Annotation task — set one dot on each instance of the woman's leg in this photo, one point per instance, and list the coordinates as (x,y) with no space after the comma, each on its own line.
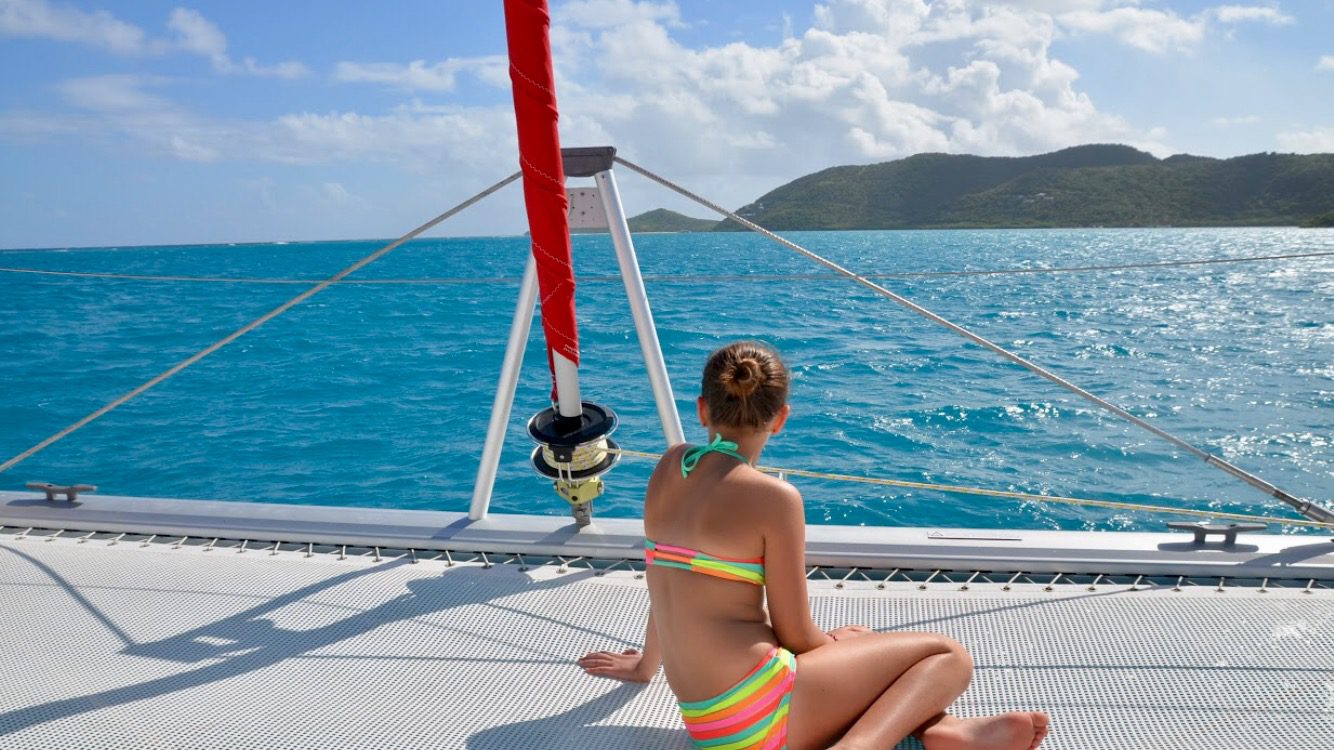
(874,690)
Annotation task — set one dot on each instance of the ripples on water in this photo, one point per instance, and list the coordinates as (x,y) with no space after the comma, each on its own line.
(377,395)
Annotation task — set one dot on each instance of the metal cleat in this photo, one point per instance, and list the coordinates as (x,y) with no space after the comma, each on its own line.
(1229,531)
(71,492)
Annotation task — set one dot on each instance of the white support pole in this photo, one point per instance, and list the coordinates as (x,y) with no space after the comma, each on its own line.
(639,308)
(509,381)
(569,403)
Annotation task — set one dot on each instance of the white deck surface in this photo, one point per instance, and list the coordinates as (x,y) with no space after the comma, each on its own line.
(123,646)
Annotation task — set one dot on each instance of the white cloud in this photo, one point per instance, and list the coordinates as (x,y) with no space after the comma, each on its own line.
(1150,30)
(418,76)
(1326,62)
(1314,141)
(1157,31)
(1244,13)
(193,34)
(1224,122)
(200,36)
(38,19)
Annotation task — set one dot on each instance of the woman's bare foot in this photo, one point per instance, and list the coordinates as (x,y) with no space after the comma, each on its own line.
(1018,730)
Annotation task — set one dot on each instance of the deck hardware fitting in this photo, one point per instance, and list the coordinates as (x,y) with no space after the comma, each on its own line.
(887,578)
(1135,586)
(24,535)
(71,492)
(87,536)
(413,554)
(1051,584)
(52,538)
(1264,586)
(448,558)
(209,547)
(486,561)
(148,541)
(116,540)
(1221,583)
(1177,587)
(274,551)
(971,578)
(523,564)
(1010,583)
(244,543)
(1309,585)
(922,586)
(342,552)
(844,579)
(377,553)
(1094,586)
(310,549)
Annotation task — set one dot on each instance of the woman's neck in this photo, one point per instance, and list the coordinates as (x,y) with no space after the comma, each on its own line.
(750,443)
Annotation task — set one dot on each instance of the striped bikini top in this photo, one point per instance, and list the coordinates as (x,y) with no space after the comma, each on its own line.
(729,568)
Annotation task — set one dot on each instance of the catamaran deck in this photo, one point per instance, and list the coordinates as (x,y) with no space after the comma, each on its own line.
(118,639)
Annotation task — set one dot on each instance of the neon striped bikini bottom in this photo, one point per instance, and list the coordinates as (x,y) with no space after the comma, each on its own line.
(750,715)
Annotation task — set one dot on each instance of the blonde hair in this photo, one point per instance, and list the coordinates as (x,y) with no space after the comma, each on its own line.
(745,385)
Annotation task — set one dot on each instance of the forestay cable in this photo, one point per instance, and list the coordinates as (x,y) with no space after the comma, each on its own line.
(1305,507)
(270,315)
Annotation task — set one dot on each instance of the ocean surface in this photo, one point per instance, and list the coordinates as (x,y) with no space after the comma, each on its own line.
(378,394)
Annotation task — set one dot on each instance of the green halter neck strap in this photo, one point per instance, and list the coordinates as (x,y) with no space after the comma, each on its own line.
(717,445)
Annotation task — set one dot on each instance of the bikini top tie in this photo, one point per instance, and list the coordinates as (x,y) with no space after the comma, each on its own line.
(718,445)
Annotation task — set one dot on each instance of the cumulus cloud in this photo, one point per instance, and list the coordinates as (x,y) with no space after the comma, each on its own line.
(419,76)
(39,19)
(1244,13)
(1326,62)
(1160,31)
(869,80)
(1314,141)
(198,35)
(1224,122)
(191,33)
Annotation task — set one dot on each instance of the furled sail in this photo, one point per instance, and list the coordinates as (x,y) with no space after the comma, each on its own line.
(527,23)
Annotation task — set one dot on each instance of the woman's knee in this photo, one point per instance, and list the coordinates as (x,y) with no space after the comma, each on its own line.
(955,651)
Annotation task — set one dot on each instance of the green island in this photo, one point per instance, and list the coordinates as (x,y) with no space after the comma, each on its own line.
(1084,186)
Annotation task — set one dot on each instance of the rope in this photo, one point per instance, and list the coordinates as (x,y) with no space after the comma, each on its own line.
(275,312)
(964,490)
(672,277)
(1305,507)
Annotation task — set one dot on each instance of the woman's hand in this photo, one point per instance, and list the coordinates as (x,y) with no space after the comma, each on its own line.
(849,631)
(627,665)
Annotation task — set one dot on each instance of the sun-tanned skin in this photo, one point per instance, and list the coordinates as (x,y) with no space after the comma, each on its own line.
(855,688)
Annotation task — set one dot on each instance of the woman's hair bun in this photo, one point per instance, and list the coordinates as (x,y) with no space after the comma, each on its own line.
(744,385)
(743,377)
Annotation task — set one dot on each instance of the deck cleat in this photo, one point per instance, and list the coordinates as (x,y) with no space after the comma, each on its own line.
(574,453)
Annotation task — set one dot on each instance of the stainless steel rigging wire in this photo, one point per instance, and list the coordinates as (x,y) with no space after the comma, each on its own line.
(1307,508)
(247,328)
(668,278)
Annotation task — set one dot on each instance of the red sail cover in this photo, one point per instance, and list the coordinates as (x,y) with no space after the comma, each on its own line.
(527,23)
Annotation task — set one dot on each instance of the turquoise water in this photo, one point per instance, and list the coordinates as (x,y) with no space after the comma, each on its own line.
(377,395)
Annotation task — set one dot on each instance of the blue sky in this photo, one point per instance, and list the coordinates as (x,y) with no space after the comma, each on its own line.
(159,122)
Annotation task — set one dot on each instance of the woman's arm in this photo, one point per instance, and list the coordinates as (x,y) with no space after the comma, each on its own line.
(629,665)
(785,573)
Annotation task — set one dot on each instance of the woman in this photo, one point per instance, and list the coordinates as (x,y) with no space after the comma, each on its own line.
(746,677)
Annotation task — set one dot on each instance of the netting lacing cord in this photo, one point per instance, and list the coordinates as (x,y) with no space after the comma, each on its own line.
(1305,507)
(247,328)
(965,490)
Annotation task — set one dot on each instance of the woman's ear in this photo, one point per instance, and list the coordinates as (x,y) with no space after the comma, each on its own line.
(702,409)
(776,426)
